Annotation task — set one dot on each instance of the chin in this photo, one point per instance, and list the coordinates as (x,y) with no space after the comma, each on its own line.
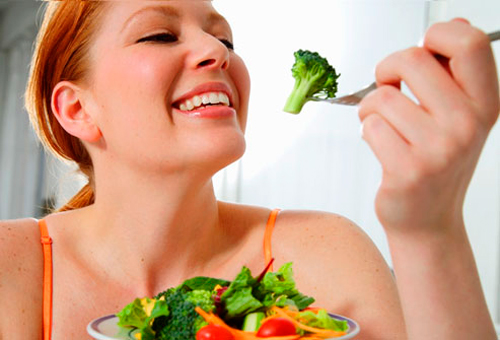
(224,153)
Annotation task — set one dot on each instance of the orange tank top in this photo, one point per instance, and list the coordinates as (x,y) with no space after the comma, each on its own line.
(47,267)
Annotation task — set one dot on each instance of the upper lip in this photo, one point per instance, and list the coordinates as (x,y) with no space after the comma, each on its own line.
(206,88)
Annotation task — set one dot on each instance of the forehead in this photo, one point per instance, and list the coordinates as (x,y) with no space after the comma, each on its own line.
(122,13)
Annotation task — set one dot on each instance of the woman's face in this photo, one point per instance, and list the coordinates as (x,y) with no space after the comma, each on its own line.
(166,88)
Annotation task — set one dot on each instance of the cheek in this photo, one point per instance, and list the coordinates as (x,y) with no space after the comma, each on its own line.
(130,92)
(239,74)
(133,85)
(134,76)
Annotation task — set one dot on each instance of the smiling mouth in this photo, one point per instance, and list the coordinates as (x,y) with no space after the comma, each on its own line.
(202,101)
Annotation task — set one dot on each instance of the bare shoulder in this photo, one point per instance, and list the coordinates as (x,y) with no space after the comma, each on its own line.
(20,243)
(336,262)
(243,219)
(319,240)
(20,278)
(298,231)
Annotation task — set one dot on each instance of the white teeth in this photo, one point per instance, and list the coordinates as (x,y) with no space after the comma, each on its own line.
(223,99)
(204,99)
(214,98)
(196,101)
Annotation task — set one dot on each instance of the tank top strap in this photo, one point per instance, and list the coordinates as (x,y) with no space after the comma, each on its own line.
(271,221)
(47,279)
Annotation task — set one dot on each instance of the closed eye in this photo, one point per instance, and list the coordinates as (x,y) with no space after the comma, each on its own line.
(159,38)
(228,44)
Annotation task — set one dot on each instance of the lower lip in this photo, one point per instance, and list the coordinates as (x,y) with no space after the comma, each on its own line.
(211,112)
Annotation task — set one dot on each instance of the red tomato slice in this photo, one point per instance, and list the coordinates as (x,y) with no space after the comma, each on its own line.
(276,327)
(214,332)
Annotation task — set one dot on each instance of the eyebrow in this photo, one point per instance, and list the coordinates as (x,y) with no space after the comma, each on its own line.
(164,10)
(215,17)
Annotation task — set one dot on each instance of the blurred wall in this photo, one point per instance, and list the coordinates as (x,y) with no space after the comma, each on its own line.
(21,159)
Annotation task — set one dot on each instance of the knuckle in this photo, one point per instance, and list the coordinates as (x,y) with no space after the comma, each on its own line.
(415,56)
(368,106)
(370,122)
(467,132)
(414,177)
(466,126)
(434,29)
(474,41)
(446,151)
(376,100)
(386,94)
(381,66)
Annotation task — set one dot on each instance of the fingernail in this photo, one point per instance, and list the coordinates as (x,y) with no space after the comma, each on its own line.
(461,20)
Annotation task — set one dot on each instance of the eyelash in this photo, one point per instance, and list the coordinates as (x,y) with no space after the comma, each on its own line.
(228,44)
(170,38)
(159,38)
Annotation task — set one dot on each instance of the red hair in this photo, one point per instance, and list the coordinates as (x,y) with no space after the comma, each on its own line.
(62,53)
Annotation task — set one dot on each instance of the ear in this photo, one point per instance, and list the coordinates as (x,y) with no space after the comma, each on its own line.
(67,106)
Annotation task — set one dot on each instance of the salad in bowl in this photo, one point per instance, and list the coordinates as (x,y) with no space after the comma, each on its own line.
(268,306)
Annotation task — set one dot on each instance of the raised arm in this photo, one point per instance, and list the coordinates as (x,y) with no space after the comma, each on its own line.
(428,151)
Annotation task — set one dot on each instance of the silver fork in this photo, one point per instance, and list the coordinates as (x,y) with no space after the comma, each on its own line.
(355,97)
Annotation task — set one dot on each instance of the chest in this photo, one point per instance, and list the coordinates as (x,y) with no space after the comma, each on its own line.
(80,295)
(79,299)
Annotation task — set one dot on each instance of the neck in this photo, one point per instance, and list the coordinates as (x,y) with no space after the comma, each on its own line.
(161,230)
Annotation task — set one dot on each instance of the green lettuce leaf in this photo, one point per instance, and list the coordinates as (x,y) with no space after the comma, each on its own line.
(321,319)
(141,313)
(241,303)
(278,288)
(132,315)
(203,283)
(238,298)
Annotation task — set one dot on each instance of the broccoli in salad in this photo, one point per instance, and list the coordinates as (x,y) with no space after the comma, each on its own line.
(314,78)
(247,308)
(183,322)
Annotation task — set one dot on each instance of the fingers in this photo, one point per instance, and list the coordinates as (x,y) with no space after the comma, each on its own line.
(428,80)
(408,120)
(471,61)
(454,98)
(459,91)
(428,149)
(388,146)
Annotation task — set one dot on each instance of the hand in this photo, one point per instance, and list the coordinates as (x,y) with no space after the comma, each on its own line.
(428,150)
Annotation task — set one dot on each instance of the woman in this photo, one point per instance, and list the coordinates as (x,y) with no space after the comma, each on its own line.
(122,89)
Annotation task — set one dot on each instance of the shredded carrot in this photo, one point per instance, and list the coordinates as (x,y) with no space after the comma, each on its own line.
(239,334)
(315,310)
(316,333)
(323,333)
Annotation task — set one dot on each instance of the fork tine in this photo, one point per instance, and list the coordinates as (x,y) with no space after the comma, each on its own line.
(356,97)
(350,99)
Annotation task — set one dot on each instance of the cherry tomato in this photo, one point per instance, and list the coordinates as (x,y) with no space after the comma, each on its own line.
(276,327)
(214,332)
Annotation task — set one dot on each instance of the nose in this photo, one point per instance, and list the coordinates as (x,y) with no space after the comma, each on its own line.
(208,52)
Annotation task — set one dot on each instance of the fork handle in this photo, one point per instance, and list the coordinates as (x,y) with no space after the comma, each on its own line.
(494,36)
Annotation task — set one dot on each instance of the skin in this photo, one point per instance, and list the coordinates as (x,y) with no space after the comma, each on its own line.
(428,156)
(156,220)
